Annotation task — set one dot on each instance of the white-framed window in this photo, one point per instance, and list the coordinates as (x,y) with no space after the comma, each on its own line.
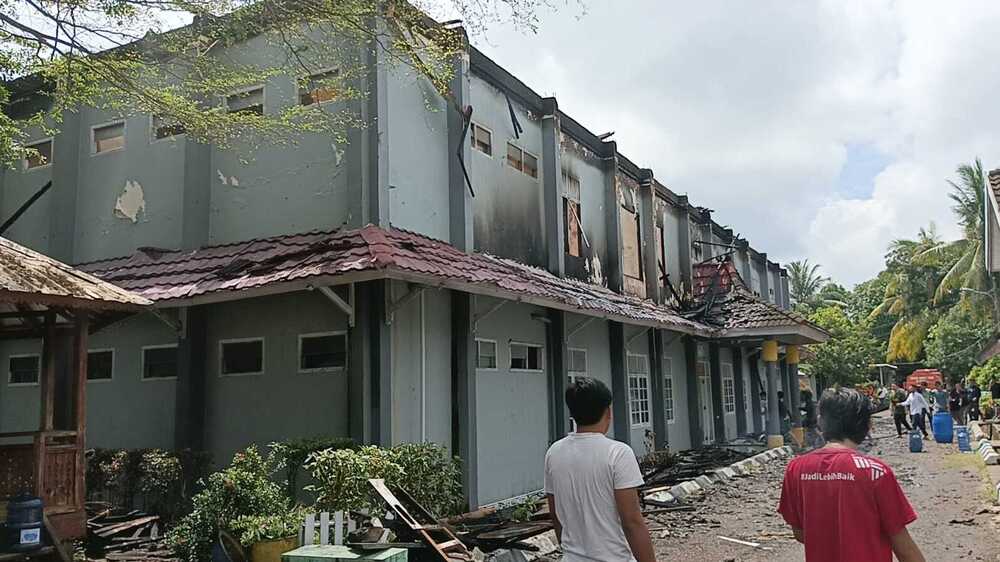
(638,390)
(728,388)
(321,352)
(482,139)
(522,160)
(100,365)
(526,357)
(24,369)
(42,156)
(164,127)
(576,363)
(319,87)
(668,389)
(107,137)
(243,356)
(247,100)
(486,355)
(159,362)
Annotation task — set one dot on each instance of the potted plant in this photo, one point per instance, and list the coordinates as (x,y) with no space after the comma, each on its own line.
(269,536)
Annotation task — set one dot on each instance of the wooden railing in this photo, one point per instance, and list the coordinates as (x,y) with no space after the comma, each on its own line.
(47,464)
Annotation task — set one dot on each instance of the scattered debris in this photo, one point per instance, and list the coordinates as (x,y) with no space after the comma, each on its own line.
(744,543)
(116,534)
(962,522)
(665,469)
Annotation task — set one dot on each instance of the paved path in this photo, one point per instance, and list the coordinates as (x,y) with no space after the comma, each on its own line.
(942,484)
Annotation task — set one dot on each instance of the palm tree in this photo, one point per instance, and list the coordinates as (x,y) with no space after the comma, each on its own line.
(969,269)
(913,267)
(805,280)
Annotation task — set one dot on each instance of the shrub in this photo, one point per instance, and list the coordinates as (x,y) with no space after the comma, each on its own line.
(293,453)
(252,529)
(246,488)
(156,480)
(424,470)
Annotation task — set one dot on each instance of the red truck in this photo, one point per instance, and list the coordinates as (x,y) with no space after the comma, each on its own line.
(921,376)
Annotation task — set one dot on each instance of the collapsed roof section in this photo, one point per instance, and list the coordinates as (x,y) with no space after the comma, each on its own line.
(294,262)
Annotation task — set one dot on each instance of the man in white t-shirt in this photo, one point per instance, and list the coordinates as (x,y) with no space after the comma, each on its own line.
(591,484)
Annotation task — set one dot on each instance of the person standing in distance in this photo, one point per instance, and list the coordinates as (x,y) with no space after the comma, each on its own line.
(591,484)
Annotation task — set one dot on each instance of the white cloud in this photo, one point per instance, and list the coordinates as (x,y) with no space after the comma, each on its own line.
(749,107)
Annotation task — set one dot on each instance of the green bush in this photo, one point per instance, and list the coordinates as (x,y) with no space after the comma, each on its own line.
(426,471)
(985,374)
(159,481)
(252,529)
(293,453)
(246,488)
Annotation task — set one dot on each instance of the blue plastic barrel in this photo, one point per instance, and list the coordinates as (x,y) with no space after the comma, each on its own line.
(916,441)
(942,427)
(24,523)
(962,435)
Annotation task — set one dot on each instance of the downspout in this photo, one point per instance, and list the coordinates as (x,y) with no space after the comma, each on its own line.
(423,372)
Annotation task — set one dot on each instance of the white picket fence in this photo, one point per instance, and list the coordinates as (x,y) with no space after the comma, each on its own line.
(337,527)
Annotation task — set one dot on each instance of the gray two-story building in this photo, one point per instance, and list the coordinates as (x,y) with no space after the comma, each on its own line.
(369,290)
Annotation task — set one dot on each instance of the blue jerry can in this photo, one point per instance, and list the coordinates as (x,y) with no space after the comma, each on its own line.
(962,434)
(916,441)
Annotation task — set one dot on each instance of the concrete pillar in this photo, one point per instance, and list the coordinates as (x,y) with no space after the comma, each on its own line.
(463,393)
(619,382)
(555,233)
(693,404)
(755,386)
(769,353)
(66,154)
(612,218)
(792,359)
(189,403)
(659,416)
(647,224)
(460,219)
(197,192)
(684,241)
(715,375)
(555,333)
(740,388)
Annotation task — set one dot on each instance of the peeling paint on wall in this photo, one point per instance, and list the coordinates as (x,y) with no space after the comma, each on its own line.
(222,177)
(596,271)
(130,202)
(338,154)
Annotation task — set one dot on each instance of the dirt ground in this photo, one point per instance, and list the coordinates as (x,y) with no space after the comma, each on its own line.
(955,518)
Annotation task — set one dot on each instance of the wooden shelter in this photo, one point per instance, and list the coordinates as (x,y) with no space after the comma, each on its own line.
(41,298)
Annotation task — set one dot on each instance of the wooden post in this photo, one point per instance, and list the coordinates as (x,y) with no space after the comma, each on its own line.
(80,397)
(48,373)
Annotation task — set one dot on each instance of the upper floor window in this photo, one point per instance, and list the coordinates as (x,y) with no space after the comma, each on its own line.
(521,160)
(23,369)
(164,127)
(40,156)
(525,357)
(247,101)
(482,139)
(631,252)
(572,225)
(108,137)
(576,365)
(319,87)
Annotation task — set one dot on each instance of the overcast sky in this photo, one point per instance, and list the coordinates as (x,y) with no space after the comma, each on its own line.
(817,130)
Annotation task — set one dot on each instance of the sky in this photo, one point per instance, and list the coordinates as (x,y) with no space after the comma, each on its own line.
(815,129)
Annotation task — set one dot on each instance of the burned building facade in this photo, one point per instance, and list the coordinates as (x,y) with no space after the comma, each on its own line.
(368,290)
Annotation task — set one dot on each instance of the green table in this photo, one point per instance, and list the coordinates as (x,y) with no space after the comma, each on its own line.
(329,553)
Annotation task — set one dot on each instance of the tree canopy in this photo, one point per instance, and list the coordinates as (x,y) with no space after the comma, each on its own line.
(181,59)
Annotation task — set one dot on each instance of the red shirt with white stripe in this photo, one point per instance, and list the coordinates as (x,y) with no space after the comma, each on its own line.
(847,505)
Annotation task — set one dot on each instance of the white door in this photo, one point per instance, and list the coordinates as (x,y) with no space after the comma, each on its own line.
(705,401)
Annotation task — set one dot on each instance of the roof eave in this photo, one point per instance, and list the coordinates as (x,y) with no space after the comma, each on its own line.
(798,334)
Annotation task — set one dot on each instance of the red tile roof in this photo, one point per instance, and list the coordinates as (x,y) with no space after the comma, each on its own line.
(165,275)
(741,310)
(704,273)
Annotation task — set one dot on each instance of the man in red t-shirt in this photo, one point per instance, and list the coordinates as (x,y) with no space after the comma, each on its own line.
(845,506)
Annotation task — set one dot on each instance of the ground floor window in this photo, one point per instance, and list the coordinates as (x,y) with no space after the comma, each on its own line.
(100,364)
(159,362)
(576,363)
(668,389)
(486,354)
(23,369)
(638,390)
(525,357)
(728,389)
(241,357)
(322,352)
